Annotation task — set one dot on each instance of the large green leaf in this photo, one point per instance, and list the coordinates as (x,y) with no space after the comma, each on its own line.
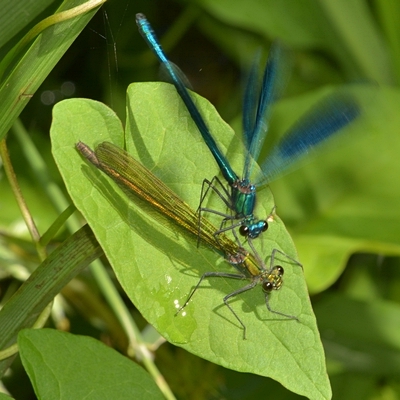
(158,267)
(65,366)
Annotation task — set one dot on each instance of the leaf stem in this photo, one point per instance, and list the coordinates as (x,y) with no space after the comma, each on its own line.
(30,223)
(44,24)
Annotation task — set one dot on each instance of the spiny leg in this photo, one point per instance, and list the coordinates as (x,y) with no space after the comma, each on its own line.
(223,194)
(272,260)
(208,275)
(235,293)
(271,269)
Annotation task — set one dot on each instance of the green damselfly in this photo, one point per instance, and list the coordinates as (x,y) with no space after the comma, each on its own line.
(133,178)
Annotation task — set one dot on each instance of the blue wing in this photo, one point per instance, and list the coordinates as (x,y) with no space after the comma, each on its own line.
(250,101)
(322,122)
(258,98)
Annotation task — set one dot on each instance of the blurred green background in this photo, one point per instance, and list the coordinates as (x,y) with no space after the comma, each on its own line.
(342,209)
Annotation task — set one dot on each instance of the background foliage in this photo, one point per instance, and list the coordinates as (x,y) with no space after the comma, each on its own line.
(341,209)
